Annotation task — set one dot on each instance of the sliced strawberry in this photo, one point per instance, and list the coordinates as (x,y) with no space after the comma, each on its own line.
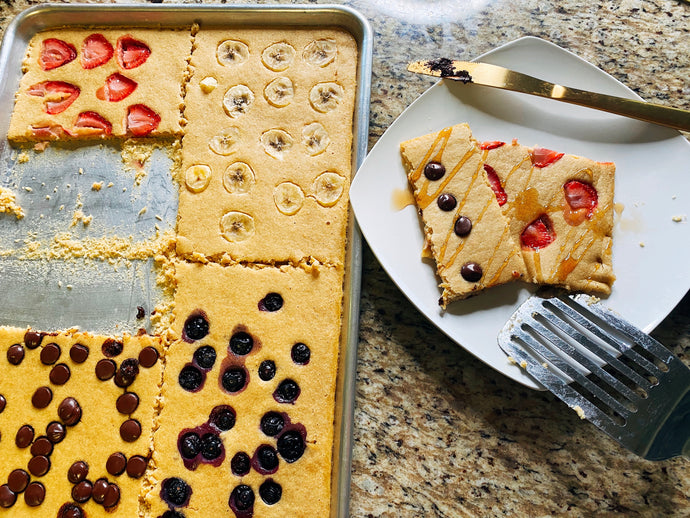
(95,51)
(542,157)
(496,186)
(91,123)
(116,88)
(48,132)
(538,234)
(493,144)
(58,95)
(141,120)
(581,199)
(55,53)
(131,53)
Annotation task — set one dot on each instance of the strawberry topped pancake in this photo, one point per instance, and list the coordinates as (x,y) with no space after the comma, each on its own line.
(101,83)
(494,212)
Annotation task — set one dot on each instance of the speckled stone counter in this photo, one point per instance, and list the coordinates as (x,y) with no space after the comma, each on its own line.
(437,432)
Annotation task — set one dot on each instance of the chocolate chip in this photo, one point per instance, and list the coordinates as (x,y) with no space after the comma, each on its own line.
(42,446)
(82,491)
(24,437)
(42,397)
(148,357)
(271,302)
(127,403)
(105,369)
(130,430)
(111,347)
(446,202)
(55,432)
(112,496)
(77,472)
(79,353)
(116,464)
(69,411)
(99,489)
(3,403)
(434,170)
(15,354)
(39,465)
(7,496)
(18,480)
(270,492)
(50,354)
(60,374)
(32,339)
(35,494)
(463,226)
(127,373)
(70,510)
(267,370)
(471,272)
(300,353)
(136,466)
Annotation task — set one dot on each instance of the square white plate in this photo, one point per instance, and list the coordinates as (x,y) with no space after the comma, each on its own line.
(651,252)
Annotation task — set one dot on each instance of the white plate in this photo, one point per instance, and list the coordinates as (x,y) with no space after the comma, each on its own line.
(651,251)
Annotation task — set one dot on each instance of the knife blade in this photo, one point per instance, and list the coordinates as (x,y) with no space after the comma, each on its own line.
(499,77)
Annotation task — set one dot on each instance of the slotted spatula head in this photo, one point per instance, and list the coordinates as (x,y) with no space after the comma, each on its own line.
(607,370)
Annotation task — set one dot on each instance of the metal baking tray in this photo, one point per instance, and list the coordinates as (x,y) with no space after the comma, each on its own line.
(58,294)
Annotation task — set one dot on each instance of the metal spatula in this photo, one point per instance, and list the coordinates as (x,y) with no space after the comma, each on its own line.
(610,372)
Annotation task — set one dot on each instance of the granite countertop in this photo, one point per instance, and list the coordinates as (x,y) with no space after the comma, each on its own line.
(438,433)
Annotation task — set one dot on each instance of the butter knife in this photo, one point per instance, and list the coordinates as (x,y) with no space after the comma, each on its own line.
(499,77)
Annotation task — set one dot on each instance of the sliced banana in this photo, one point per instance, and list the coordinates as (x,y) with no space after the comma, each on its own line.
(232,52)
(226,142)
(208,84)
(328,188)
(320,53)
(279,92)
(325,97)
(279,56)
(315,138)
(197,177)
(238,178)
(236,226)
(288,197)
(237,100)
(276,142)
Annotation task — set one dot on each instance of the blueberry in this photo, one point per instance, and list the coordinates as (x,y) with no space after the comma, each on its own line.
(240,464)
(267,370)
(196,326)
(172,514)
(234,379)
(205,357)
(190,445)
(241,343)
(211,446)
(287,392)
(242,498)
(267,458)
(271,302)
(291,445)
(223,418)
(270,492)
(176,491)
(272,423)
(190,378)
(300,353)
